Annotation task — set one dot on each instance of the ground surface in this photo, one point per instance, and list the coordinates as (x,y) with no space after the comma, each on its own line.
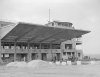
(52,71)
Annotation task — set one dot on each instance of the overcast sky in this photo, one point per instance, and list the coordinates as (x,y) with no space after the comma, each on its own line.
(84,14)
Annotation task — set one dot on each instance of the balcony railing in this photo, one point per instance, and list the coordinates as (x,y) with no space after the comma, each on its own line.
(7,51)
(69,50)
(78,40)
(37,50)
(31,50)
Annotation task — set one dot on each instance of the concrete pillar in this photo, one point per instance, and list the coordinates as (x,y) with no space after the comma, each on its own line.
(73,44)
(51,51)
(29,52)
(39,52)
(62,46)
(71,54)
(76,55)
(15,51)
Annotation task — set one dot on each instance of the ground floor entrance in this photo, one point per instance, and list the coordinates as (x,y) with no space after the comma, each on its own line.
(58,56)
(44,56)
(21,57)
(8,57)
(34,56)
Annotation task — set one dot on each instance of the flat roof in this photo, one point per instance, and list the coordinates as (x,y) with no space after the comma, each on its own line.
(27,32)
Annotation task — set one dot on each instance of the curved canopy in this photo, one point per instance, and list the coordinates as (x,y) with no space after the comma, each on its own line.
(26,32)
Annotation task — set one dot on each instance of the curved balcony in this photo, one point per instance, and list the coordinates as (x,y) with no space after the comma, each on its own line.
(78,41)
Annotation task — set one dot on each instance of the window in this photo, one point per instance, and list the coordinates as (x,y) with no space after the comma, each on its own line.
(68,53)
(52,24)
(55,46)
(78,54)
(12,47)
(45,46)
(68,46)
(36,46)
(64,53)
(6,47)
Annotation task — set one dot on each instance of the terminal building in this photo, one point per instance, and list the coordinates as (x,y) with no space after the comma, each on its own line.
(52,41)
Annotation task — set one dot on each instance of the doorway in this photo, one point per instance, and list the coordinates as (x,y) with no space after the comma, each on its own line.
(22,57)
(44,56)
(34,56)
(58,56)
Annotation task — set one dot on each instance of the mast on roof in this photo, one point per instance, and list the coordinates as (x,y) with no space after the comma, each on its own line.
(49,15)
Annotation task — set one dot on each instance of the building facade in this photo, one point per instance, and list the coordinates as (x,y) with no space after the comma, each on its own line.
(52,41)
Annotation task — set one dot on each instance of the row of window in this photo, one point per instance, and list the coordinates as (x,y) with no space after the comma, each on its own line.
(33,47)
(71,53)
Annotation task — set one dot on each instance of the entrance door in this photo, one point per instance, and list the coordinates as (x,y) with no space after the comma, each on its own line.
(58,56)
(34,56)
(22,57)
(44,56)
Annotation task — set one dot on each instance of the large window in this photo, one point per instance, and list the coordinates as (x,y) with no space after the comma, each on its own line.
(64,53)
(36,46)
(55,46)
(45,46)
(79,54)
(68,46)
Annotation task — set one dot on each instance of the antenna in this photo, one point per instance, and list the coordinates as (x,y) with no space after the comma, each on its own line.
(49,15)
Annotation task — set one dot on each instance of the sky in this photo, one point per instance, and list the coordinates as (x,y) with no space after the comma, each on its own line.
(84,14)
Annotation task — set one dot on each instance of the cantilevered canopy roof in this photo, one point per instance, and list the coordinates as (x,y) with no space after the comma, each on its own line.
(25,32)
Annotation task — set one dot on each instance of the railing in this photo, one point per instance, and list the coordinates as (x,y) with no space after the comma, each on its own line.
(69,50)
(31,50)
(13,51)
(38,50)
(45,50)
(79,50)
(78,40)
(7,51)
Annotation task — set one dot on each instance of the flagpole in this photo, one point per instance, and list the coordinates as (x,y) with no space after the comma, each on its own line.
(49,14)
